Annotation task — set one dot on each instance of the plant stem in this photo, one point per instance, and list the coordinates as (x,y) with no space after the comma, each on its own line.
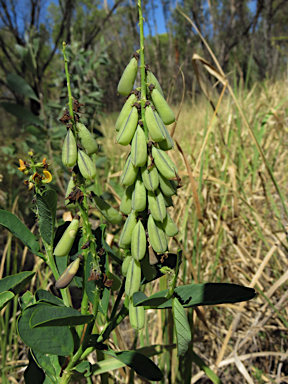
(143,73)
(68,86)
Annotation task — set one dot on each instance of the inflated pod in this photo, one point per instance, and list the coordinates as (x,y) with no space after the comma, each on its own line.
(164,164)
(170,228)
(157,236)
(133,278)
(126,234)
(156,204)
(168,187)
(136,316)
(125,111)
(69,273)
(139,195)
(64,245)
(162,107)
(129,173)
(151,79)
(110,214)
(126,201)
(154,126)
(150,176)
(69,189)
(125,265)
(128,77)
(149,271)
(86,165)
(167,143)
(69,150)
(139,148)
(86,139)
(116,281)
(127,130)
(138,242)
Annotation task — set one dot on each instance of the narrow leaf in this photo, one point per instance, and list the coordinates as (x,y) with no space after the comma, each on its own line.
(47,205)
(18,84)
(21,113)
(183,332)
(15,226)
(16,283)
(140,299)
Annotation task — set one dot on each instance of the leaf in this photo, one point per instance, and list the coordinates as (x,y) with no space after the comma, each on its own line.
(201,364)
(16,283)
(5,297)
(57,317)
(140,299)
(18,84)
(26,300)
(15,226)
(49,364)
(33,374)
(21,113)
(182,327)
(46,296)
(47,205)
(84,367)
(206,294)
(141,364)
(51,340)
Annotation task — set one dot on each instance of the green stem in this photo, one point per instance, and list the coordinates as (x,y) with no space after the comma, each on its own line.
(143,73)
(68,85)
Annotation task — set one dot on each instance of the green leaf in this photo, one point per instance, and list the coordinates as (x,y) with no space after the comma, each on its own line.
(47,205)
(15,226)
(57,317)
(46,296)
(140,299)
(212,376)
(18,84)
(84,367)
(26,300)
(51,340)
(141,364)
(33,374)
(205,294)
(5,297)
(21,113)
(16,283)
(182,327)
(49,364)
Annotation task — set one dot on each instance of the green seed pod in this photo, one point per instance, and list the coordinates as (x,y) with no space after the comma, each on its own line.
(125,111)
(129,173)
(154,126)
(69,150)
(150,176)
(138,242)
(164,164)
(116,281)
(133,278)
(86,165)
(136,316)
(168,201)
(69,273)
(126,234)
(125,265)
(156,204)
(157,236)
(86,139)
(139,195)
(149,271)
(127,130)
(110,214)
(162,107)
(126,202)
(139,148)
(170,228)
(151,79)
(64,245)
(168,187)
(168,143)
(69,189)
(127,80)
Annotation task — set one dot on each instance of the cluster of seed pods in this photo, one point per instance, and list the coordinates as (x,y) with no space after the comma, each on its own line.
(150,178)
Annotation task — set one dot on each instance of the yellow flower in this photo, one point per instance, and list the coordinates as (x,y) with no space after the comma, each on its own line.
(22,167)
(48,177)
